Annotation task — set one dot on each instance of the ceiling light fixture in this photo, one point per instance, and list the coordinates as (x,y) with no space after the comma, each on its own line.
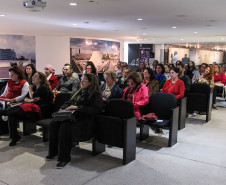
(2,15)
(195,32)
(174,27)
(140,19)
(73,4)
(74,24)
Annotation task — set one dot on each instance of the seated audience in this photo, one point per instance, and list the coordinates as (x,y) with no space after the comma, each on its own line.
(167,71)
(110,90)
(154,65)
(199,73)
(122,82)
(142,67)
(137,92)
(29,72)
(17,87)
(150,81)
(174,85)
(171,66)
(15,91)
(191,69)
(184,78)
(67,84)
(219,77)
(39,95)
(160,76)
(51,78)
(87,102)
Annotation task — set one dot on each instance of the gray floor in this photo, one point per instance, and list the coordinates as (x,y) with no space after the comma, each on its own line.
(199,158)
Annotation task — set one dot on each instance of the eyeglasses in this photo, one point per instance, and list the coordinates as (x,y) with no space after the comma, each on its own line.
(107,78)
(84,81)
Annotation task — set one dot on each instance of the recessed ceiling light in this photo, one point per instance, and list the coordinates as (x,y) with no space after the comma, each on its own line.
(74,24)
(73,4)
(140,19)
(2,15)
(195,32)
(174,27)
(222,38)
(181,39)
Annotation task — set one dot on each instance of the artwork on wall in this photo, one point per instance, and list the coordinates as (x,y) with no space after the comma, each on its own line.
(144,54)
(138,53)
(104,54)
(16,50)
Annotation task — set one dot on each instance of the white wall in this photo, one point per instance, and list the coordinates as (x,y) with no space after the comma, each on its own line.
(159,54)
(55,50)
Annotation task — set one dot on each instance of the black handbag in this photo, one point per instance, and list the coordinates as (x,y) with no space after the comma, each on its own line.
(69,115)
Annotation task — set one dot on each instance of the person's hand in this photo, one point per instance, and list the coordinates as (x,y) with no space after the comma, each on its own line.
(104,99)
(72,107)
(28,100)
(7,100)
(36,99)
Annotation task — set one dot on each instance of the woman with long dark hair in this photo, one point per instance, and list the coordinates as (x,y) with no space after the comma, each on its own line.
(87,102)
(39,95)
(29,72)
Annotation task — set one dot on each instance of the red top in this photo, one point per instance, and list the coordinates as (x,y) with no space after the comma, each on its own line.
(177,88)
(53,81)
(220,78)
(14,89)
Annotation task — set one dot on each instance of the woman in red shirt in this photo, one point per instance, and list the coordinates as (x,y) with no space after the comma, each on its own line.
(219,77)
(174,85)
(49,72)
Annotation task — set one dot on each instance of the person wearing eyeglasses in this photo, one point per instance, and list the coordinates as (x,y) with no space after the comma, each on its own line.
(87,103)
(110,90)
(199,73)
(68,83)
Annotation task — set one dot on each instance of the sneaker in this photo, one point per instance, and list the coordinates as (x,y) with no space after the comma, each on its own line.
(5,118)
(14,141)
(62,164)
(50,157)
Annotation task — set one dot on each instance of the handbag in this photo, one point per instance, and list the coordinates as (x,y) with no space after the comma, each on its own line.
(64,115)
(151,117)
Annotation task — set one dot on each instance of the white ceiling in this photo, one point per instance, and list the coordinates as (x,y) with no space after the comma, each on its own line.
(117,19)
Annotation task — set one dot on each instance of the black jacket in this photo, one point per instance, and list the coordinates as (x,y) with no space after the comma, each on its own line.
(83,128)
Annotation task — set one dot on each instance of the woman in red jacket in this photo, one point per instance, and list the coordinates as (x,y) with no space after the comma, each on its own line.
(137,92)
(219,77)
(174,85)
(51,78)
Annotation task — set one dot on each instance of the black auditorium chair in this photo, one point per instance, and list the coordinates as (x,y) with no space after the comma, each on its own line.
(200,99)
(182,113)
(164,105)
(116,127)
(60,99)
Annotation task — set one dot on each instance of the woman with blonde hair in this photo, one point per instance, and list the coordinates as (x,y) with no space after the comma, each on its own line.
(110,90)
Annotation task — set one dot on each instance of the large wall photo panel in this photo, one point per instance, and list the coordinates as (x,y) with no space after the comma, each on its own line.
(104,54)
(16,50)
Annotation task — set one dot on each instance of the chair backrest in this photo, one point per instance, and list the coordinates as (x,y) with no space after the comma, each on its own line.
(200,88)
(161,104)
(60,99)
(123,109)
